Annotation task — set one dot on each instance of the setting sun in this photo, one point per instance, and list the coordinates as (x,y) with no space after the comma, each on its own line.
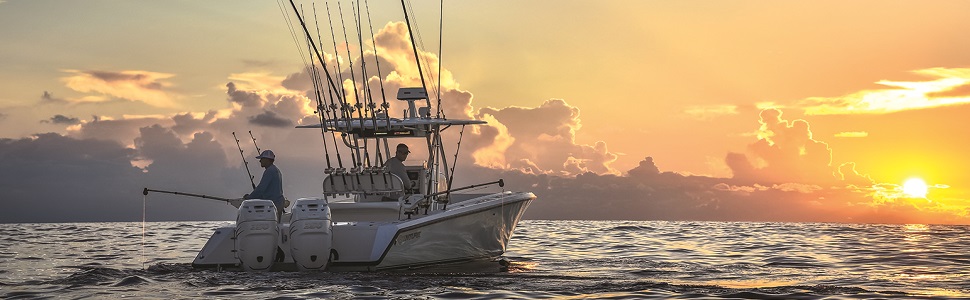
(915,187)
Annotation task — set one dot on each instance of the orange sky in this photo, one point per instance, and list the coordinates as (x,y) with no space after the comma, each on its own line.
(881,85)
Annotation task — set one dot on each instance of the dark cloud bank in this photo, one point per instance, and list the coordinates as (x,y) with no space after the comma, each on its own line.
(52,178)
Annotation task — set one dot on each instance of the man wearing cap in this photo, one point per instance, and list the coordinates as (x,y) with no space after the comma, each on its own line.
(271,184)
(395,165)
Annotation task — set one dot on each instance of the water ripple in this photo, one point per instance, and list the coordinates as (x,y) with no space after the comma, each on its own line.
(548,259)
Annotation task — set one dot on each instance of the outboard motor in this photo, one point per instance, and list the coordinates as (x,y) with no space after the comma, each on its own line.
(257,234)
(310,234)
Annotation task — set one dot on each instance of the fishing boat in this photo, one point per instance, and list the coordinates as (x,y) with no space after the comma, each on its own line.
(367,217)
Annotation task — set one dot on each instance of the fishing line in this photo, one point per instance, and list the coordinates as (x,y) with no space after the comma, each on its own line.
(289,25)
(144,204)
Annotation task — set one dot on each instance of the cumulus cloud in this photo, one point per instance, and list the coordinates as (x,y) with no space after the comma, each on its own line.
(133,85)
(646,168)
(542,139)
(785,152)
(244,98)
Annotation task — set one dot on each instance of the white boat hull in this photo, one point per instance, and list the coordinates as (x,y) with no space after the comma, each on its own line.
(475,229)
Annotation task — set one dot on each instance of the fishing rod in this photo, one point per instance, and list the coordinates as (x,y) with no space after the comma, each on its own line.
(321,112)
(365,84)
(254,142)
(146,190)
(246,163)
(341,93)
(344,106)
(321,108)
(353,80)
(385,107)
(417,57)
(441,26)
(317,52)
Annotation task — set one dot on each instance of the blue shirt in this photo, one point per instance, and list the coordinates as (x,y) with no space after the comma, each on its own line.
(270,186)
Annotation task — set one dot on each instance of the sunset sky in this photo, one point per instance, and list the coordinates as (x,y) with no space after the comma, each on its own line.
(700,110)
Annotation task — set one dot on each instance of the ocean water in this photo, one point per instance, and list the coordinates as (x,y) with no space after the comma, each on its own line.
(547,259)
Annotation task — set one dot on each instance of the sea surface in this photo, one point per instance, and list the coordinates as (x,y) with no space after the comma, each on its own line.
(546,259)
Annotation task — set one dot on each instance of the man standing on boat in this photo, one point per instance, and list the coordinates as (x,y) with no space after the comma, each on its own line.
(271,184)
(395,165)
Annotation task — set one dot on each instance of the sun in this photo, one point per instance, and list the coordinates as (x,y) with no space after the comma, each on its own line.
(915,187)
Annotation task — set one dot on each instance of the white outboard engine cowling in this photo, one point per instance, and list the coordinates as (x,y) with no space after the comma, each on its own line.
(257,234)
(310,234)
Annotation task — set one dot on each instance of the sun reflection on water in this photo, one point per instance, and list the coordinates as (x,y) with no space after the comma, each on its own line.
(916,227)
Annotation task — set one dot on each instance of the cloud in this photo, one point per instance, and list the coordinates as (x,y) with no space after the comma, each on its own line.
(960,91)
(852,134)
(61,119)
(48,97)
(50,178)
(646,168)
(711,111)
(671,196)
(532,148)
(271,119)
(243,98)
(948,87)
(785,152)
(122,131)
(133,85)
(544,137)
(849,175)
